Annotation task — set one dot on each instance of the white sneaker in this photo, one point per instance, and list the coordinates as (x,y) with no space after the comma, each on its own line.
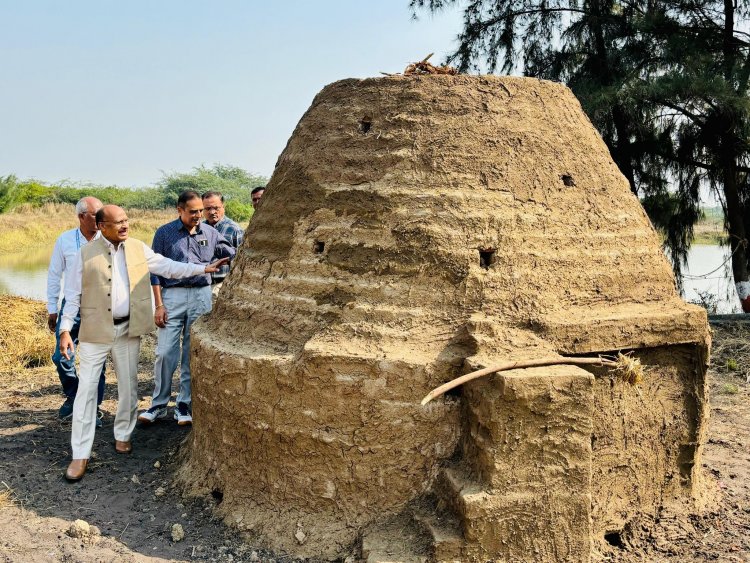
(153,414)
(182,414)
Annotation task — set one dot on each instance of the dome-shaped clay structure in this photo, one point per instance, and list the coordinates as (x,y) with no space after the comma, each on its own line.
(414,229)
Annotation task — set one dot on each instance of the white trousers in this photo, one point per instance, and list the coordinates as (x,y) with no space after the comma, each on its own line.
(125,351)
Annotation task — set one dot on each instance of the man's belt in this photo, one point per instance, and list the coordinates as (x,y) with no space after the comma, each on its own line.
(121,320)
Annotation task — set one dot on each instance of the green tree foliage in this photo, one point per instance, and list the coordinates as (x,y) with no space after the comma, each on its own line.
(700,76)
(235,183)
(664,82)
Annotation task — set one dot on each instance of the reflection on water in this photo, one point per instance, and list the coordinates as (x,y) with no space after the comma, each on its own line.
(25,273)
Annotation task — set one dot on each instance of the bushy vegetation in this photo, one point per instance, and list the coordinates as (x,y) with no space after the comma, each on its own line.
(235,183)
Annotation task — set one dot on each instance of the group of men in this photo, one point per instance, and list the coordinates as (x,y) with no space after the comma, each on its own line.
(117,289)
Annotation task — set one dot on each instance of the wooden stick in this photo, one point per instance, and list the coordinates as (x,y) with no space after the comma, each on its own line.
(445,387)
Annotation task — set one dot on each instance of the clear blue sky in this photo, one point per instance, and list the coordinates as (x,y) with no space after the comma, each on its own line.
(117,91)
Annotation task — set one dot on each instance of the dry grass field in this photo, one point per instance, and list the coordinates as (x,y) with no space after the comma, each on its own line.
(26,228)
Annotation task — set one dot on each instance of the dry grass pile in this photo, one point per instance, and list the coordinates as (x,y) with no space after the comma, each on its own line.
(730,354)
(24,338)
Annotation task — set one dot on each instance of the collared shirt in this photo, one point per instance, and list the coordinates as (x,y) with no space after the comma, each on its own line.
(67,246)
(157,264)
(234,235)
(204,246)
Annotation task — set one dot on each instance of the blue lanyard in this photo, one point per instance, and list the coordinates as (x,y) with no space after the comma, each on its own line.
(78,239)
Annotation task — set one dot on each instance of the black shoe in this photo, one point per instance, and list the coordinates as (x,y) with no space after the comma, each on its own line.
(66,410)
(99,418)
(182,414)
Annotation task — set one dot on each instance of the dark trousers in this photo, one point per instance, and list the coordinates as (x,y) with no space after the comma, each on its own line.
(66,369)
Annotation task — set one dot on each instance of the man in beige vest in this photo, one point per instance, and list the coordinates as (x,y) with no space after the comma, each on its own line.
(109,282)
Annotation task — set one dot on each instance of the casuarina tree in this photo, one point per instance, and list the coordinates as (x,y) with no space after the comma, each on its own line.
(665,83)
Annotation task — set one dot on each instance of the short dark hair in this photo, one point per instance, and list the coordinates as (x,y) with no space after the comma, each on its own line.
(99,218)
(213,194)
(186,196)
(258,189)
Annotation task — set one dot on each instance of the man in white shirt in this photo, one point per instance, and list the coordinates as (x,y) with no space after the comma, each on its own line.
(66,247)
(109,283)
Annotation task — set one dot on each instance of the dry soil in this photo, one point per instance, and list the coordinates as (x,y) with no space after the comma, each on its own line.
(119,495)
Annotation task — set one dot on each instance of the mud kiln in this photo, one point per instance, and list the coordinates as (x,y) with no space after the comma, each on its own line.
(414,229)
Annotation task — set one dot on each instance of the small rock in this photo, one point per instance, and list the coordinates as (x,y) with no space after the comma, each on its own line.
(160,492)
(135,479)
(350,559)
(79,529)
(180,505)
(184,515)
(178,534)
(254,556)
(157,464)
(300,535)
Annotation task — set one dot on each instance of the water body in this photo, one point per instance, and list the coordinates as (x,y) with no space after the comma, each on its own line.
(25,273)
(708,276)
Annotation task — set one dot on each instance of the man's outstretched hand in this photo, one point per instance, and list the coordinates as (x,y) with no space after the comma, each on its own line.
(214,266)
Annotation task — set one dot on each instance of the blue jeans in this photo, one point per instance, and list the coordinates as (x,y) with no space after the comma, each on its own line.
(66,369)
(184,305)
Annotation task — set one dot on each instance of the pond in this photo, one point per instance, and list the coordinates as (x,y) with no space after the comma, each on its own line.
(25,273)
(707,276)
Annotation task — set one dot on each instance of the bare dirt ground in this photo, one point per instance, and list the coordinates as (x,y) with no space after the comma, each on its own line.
(121,494)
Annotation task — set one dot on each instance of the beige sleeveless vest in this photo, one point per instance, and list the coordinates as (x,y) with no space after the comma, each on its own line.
(96,290)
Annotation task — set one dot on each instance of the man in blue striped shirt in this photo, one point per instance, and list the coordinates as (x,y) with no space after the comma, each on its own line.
(180,302)
(213,208)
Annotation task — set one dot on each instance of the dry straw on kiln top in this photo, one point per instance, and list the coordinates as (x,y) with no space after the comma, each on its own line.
(423,67)
(627,368)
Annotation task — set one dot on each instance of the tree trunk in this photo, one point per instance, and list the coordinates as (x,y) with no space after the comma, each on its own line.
(729,157)
(738,242)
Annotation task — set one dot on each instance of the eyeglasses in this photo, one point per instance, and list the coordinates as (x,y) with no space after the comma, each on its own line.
(210,209)
(117,224)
